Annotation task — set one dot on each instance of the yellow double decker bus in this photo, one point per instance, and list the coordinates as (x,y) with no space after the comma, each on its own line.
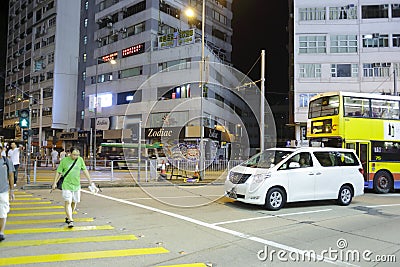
(367,123)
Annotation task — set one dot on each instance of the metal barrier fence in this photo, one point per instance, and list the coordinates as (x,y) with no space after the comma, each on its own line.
(147,169)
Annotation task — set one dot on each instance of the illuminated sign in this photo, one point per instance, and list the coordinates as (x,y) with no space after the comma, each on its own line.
(133,50)
(109,57)
(176,39)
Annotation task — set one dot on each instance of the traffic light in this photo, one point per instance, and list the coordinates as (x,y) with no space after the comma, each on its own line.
(24,118)
(26,134)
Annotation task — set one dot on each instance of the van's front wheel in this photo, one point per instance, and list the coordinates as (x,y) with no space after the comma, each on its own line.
(275,199)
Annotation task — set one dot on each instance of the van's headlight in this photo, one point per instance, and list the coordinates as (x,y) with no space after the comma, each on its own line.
(259,178)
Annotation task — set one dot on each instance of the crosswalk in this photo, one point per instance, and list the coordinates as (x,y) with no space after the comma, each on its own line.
(36,234)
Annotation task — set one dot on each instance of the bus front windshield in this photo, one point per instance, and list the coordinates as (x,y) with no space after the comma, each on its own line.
(266,159)
(324,106)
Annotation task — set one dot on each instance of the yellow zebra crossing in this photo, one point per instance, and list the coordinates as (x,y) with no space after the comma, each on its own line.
(23,205)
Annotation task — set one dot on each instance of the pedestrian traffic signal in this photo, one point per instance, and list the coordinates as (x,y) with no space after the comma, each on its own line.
(26,134)
(24,118)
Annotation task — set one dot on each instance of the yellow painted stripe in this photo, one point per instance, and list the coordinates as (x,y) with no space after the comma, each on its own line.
(29,203)
(57,230)
(27,243)
(81,256)
(27,198)
(39,208)
(10,222)
(22,195)
(197,264)
(36,214)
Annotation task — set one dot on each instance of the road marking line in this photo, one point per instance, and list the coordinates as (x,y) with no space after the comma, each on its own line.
(271,216)
(197,264)
(22,195)
(224,230)
(10,222)
(38,208)
(27,198)
(37,214)
(29,203)
(81,256)
(57,230)
(146,198)
(387,205)
(41,242)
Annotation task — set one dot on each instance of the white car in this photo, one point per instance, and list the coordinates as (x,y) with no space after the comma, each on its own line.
(280,175)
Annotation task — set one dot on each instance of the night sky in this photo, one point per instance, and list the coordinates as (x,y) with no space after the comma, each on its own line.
(257,25)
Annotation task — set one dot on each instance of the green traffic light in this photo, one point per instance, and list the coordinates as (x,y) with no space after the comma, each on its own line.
(24,122)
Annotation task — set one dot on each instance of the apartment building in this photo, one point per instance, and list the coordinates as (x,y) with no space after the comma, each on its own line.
(42,62)
(343,46)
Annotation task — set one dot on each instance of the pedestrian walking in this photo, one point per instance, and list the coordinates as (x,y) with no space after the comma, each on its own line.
(13,154)
(62,154)
(3,151)
(54,158)
(6,185)
(72,182)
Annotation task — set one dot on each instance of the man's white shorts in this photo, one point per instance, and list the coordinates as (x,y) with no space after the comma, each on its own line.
(4,204)
(71,196)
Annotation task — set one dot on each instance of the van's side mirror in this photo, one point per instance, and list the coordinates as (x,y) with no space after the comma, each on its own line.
(294,165)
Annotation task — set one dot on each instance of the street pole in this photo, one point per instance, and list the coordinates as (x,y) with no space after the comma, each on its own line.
(262,107)
(395,81)
(29,146)
(95,118)
(202,68)
(40,119)
(140,148)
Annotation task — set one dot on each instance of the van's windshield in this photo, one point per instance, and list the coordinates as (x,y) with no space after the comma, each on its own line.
(266,159)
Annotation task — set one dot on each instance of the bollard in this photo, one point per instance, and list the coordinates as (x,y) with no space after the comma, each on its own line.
(112,170)
(34,172)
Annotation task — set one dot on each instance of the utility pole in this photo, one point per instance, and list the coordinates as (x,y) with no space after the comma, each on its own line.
(40,119)
(29,146)
(262,104)
(395,81)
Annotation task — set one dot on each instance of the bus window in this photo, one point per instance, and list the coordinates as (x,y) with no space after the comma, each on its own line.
(324,106)
(385,109)
(356,107)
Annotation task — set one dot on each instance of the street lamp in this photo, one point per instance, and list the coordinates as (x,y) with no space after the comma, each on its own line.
(190,13)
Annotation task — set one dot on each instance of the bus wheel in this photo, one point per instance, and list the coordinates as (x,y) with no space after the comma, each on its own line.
(382,182)
(276,199)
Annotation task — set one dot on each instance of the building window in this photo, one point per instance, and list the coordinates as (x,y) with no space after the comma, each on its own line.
(395,10)
(313,13)
(304,99)
(170,10)
(82,115)
(85,23)
(84,57)
(85,39)
(139,7)
(343,44)
(375,40)
(86,5)
(312,44)
(219,17)
(130,72)
(52,22)
(135,29)
(310,70)
(375,11)
(344,70)
(50,58)
(129,97)
(179,64)
(84,75)
(376,69)
(343,12)
(396,40)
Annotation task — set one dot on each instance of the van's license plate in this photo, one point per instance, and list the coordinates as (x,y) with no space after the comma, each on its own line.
(232,193)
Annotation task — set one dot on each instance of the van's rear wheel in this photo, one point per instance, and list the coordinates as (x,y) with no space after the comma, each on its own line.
(275,199)
(382,182)
(345,195)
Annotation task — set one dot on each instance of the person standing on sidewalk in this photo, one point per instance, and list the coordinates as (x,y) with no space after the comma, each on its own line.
(71,187)
(13,154)
(6,183)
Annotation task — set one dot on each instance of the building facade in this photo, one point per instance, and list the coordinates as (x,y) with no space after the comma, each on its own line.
(343,46)
(42,62)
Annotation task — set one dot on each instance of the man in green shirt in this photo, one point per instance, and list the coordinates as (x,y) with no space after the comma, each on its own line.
(72,182)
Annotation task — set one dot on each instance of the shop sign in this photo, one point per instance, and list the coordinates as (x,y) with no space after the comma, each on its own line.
(69,136)
(102,123)
(212,134)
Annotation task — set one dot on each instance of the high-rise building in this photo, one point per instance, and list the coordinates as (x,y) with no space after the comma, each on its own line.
(343,46)
(42,62)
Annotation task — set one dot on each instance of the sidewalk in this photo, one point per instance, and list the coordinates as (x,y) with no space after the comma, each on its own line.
(117,178)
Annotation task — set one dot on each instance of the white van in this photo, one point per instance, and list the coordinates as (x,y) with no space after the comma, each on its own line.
(280,175)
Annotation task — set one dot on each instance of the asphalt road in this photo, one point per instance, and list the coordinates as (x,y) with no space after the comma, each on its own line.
(197,226)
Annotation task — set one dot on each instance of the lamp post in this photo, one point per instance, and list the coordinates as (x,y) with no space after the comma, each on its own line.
(95,118)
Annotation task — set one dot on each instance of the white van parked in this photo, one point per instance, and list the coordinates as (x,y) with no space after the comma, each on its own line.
(280,175)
